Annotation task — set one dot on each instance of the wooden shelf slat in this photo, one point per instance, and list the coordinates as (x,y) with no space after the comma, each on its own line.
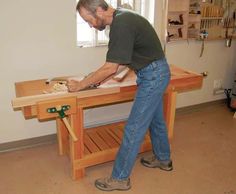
(97,140)
(117,132)
(90,144)
(147,137)
(86,150)
(110,141)
(117,139)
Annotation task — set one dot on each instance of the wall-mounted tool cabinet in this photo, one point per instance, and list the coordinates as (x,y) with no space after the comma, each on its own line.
(189,19)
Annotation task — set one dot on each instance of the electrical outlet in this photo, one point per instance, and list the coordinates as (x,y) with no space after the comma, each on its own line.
(217,84)
(218,87)
(218,91)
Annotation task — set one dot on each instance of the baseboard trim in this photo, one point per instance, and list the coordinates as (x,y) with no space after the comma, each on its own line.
(200,106)
(50,139)
(28,143)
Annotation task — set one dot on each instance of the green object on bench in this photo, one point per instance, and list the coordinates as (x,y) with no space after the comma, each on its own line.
(61,112)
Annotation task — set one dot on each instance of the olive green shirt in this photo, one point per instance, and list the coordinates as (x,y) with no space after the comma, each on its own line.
(133,40)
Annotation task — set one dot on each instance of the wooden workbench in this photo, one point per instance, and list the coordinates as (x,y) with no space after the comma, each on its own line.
(100,144)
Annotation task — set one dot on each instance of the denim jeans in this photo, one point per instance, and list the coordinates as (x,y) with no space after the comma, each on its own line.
(147,112)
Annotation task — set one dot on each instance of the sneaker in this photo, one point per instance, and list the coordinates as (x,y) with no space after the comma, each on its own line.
(152,162)
(110,184)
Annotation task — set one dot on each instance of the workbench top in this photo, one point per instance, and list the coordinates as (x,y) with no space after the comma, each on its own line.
(29,92)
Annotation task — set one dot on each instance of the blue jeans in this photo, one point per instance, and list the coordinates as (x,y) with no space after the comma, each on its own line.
(147,112)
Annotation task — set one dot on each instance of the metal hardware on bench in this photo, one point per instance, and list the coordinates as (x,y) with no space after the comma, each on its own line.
(61,112)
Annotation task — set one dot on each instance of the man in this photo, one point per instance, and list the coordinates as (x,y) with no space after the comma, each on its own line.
(133,43)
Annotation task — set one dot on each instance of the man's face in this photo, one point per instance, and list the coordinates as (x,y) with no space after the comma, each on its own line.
(93,20)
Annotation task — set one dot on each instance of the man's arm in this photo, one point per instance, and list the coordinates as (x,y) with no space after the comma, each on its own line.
(105,71)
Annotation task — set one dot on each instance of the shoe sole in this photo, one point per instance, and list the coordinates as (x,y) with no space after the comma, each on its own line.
(165,169)
(107,189)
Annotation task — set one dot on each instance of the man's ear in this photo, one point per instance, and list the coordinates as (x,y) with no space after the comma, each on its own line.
(99,12)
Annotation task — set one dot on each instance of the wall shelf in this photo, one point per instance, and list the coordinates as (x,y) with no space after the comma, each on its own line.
(195,17)
(176,26)
(177,20)
(211,18)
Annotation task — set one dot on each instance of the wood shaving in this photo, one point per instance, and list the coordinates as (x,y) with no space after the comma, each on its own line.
(59,87)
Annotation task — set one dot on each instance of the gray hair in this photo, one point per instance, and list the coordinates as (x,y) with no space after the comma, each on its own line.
(126,6)
(92,5)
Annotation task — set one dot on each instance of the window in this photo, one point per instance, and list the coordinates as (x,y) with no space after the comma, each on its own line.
(87,36)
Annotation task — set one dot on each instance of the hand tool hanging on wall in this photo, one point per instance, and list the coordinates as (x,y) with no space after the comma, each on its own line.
(203,36)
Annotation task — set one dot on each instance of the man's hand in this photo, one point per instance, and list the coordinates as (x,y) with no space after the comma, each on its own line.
(93,79)
(74,84)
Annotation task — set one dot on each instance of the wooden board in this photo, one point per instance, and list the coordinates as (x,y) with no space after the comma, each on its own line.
(181,80)
(27,100)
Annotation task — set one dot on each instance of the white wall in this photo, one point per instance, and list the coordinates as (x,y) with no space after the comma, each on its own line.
(218,60)
(38,40)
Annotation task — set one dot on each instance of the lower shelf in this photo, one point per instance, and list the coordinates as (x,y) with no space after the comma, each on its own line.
(102,143)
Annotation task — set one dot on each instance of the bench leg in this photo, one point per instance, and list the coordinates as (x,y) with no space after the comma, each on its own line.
(169,111)
(62,137)
(77,147)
